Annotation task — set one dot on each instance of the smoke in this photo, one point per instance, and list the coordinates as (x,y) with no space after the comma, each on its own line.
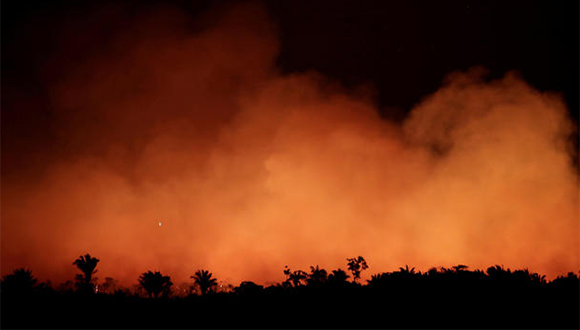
(191,126)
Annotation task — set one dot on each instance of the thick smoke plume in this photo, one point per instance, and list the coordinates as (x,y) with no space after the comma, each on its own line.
(190,124)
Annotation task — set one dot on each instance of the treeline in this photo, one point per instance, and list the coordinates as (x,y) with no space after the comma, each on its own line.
(440,297)
(156,285)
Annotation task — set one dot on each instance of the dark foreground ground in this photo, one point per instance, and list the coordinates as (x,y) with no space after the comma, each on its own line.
(407,303)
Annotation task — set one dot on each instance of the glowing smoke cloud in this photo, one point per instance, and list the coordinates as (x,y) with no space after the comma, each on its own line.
(250,170)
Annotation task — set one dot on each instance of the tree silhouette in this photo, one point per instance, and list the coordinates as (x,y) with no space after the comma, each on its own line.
(204,280)
(407,271)
(328,298)
(570,280)
(524,276)
(294,278)
(338,277)
(497,272)
(21,281)
(155,283)
(248,288)
(356,266)
(109,286)
(87,265)
(537,278)
(287,282)
(67,287)
(317,276)
(459,268)
(432,272)
(378,279)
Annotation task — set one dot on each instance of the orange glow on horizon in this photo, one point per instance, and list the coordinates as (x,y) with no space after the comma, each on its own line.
(183,151)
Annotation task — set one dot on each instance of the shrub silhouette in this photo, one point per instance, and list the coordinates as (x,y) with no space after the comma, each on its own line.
(87,265)
(203,279)
(154,283)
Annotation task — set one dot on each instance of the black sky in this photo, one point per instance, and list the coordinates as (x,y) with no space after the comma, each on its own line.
(406,47)
(402,48)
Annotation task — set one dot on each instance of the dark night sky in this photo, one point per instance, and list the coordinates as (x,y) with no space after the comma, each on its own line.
(403,48)
(406,47)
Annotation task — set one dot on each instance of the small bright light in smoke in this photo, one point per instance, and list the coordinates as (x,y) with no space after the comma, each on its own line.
(159,223)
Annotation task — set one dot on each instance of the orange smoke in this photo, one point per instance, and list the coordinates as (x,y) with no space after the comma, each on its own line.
(249,170)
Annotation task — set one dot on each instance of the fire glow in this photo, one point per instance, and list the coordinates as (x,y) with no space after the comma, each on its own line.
(251,169)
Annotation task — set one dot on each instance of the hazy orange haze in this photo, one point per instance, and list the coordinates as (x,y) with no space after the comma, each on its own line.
(249,170)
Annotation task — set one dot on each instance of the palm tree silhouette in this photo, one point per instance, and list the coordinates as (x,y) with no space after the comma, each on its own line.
(21,281)
(407,272)
(87,265)
(497,272)
(204,280)
(294,278)
(297,277)
(155,283)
